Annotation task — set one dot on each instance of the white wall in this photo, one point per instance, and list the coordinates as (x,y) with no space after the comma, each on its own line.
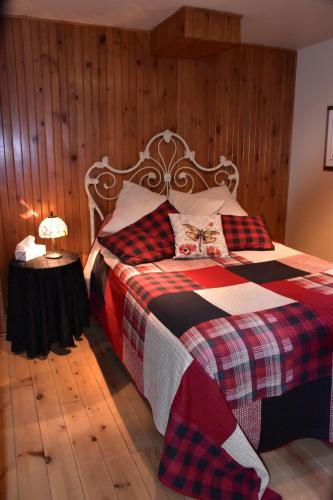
(310,200)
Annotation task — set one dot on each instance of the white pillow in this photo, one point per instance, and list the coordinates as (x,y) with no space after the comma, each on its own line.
(133,202)
(198,236)
(230,205)
(187,203)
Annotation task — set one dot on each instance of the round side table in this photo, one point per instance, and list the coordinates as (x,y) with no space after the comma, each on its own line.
(47,302)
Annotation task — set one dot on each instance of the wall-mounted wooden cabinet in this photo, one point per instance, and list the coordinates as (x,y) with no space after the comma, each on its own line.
(194,33)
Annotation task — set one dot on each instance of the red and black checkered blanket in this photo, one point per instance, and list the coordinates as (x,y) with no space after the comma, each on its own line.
(232,354)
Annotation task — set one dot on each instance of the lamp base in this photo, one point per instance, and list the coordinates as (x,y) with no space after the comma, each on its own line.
(53,255)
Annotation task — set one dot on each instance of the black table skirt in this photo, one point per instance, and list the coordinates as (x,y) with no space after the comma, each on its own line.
(45,305)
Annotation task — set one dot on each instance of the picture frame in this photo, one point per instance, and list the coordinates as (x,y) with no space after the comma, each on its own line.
(328,152)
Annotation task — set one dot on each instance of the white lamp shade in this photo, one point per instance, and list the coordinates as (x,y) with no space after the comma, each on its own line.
(52,227)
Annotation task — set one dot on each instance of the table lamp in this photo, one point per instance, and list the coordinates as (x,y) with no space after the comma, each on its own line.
(52,227)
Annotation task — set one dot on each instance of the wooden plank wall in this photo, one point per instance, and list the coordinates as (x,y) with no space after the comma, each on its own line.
(243,109)
(73,93)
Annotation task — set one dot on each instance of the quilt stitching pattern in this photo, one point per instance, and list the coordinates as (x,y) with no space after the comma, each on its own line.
(187,450)
(124,272)
(134,324)
(251,356)
(146,287)
(322,283)
(232,260)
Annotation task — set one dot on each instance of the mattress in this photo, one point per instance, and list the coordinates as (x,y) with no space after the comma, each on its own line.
(234,356)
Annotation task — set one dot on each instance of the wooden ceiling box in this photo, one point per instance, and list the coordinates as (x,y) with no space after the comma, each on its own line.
(194,33)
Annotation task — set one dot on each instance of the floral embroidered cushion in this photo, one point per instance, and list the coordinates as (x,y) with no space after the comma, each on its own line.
(198,236)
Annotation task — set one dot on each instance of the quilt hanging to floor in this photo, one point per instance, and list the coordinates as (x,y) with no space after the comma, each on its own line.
(234,355)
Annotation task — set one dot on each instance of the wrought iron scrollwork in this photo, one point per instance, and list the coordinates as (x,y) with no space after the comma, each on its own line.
(158,172)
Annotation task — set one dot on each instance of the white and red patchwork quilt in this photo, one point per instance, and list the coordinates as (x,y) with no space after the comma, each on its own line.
(234,355)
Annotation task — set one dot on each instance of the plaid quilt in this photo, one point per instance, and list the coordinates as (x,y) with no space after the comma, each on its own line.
(233,355)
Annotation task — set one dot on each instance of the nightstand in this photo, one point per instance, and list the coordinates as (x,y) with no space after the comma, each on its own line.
(47,302)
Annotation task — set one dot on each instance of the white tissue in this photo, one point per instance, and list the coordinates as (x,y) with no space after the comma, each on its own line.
(27,249)
(27,242)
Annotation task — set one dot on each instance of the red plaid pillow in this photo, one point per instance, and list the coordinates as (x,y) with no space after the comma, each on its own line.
(146,240)
(246,233)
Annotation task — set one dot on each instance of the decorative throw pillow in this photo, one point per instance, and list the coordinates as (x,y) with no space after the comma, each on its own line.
(147,240)
(198,236)
(246,233)
(133,202)
(187,203)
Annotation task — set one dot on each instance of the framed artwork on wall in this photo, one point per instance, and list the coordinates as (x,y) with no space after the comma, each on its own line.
(328,159)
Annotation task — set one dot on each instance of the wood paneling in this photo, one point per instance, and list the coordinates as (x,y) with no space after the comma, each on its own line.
(251,92)
(195,33)
(239,104)
(73,93)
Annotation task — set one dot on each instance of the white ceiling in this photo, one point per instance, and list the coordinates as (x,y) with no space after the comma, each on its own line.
(284,23)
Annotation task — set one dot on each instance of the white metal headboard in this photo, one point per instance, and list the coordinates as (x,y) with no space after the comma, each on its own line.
(158,173)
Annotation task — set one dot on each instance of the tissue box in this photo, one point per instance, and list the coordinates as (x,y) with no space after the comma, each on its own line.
(30,253)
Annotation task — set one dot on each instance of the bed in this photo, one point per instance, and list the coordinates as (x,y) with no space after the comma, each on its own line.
(233,354)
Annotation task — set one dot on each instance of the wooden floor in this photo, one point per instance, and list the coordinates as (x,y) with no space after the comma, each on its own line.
(73,426)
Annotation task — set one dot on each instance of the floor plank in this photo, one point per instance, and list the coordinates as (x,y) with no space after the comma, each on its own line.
(8,475)
(95,478)
(99,414)
(62,471)
(73,426)
(19,370)
(320,453)
(32,474)
(63,379)
(127,480)
(295,475)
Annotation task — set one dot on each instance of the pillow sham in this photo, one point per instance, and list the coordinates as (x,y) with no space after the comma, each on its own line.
(232,207)
(146,240)
(246,233)
(133,202)
(229,204)
(198,236)
(187,203)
